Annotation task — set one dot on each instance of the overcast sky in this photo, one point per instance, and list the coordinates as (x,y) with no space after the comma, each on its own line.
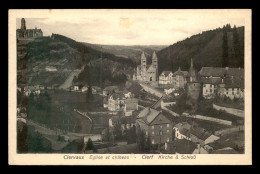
(131,27)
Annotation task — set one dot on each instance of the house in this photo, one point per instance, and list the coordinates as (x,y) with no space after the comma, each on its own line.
(74,88)
(84,88)
(116,102)
(165,78)
(155,125)
(231,88)
(127,93)
(179,78)
(168,101)
(105,102)
(219,72)
(147,73)
(182,131)
(168,90)
(127,123)
(131,104)
(210,86)
(180,146)
(110,90)
(93,137)
(96,90)
(201,136)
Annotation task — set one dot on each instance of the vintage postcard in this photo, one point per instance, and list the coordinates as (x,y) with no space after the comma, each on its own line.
(130,87)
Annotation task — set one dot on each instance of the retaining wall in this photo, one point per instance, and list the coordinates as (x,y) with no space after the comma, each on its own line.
(236,112)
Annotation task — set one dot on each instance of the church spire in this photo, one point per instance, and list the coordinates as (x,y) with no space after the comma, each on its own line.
(143,56)
(154,55)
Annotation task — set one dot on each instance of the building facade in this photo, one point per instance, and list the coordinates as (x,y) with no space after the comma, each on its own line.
(24,33)
(155,125)
(147,73)
(166,78)
(180,78)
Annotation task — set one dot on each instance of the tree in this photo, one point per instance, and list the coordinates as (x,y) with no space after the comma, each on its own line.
(225,60)
(237,56)
(148,144)
(75,79)
(141,140)
(89,95)
(90,145)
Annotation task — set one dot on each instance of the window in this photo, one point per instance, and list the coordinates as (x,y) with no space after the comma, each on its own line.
(146,133)
(152,141)
(168,125)
(168,131)
(153,132)
(168,139)
(152,127)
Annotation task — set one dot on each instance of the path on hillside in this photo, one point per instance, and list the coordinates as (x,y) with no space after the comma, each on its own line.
(68,81)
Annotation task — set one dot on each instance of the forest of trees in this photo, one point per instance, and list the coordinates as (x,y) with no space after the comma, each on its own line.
(234,56)
(213,48)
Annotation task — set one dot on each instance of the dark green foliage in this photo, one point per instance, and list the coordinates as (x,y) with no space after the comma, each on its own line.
(131,135)
(238,57)
(80,47)
(225,56)
(141,140)
(90,145)
(22,139)
(205,49)
(89,95)
(37,143)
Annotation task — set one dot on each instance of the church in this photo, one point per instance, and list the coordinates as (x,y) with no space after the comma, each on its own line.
(147,73)
(23,33)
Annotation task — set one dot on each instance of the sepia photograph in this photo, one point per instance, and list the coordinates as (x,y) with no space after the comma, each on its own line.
(148,86)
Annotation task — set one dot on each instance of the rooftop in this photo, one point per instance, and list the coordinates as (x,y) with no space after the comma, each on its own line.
(148,115)
(181,146)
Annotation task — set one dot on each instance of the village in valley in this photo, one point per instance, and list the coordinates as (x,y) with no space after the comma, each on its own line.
(177,111)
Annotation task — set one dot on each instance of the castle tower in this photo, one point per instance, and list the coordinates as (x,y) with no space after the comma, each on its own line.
(193,85)
(155,64)
(23,24)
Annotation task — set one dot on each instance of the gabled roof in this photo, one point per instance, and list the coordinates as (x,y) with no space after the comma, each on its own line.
(154,55)
(180,72)
(213,81)
(166,73)
(181,146)
(184,128)
(148,115)
(127,119)
(200,133)
(118,95)
(219,71)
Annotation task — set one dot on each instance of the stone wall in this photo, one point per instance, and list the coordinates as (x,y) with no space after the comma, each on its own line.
(152,90)
(220,121)
(236,112)
(229,130)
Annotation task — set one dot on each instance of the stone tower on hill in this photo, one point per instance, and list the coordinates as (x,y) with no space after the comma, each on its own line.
(193,86)
(23,33)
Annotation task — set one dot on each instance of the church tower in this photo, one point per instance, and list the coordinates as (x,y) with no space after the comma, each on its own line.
(155,64)
(193,85)
(23,25)
(143,62)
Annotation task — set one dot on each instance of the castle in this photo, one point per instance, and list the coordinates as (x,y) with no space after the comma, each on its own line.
(145,72)
(24,33)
